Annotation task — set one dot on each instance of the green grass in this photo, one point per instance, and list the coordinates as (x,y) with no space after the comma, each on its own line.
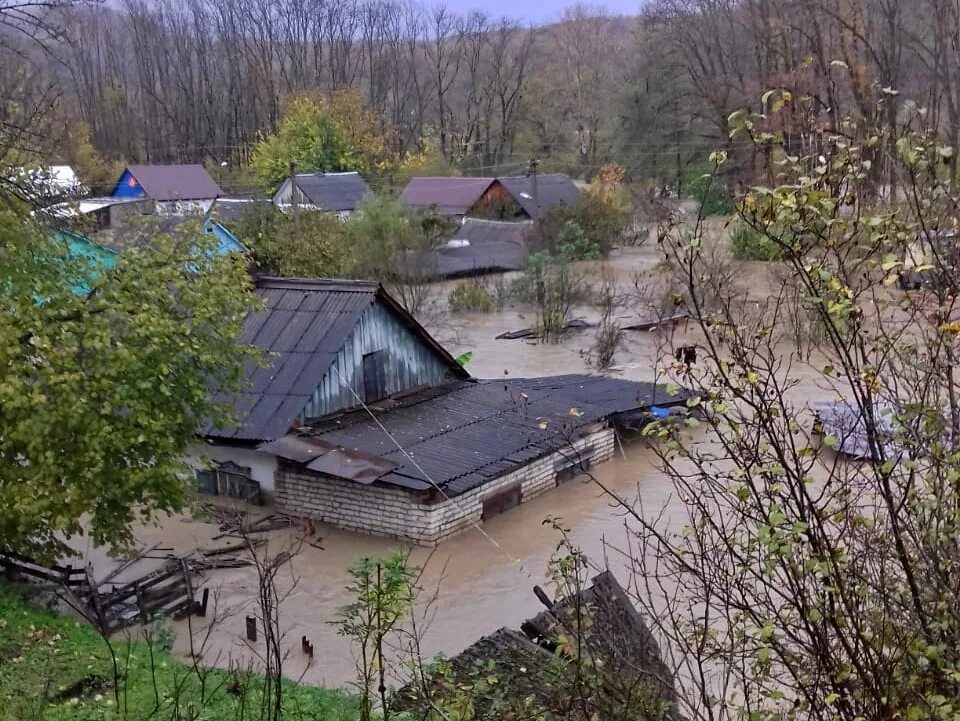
(44,653)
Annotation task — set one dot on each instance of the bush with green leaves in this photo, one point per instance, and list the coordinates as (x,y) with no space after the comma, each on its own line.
(575,244)
(748,244)
(304,244)
(471,295)
(704,186)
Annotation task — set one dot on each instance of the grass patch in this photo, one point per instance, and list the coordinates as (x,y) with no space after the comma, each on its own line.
(55,668)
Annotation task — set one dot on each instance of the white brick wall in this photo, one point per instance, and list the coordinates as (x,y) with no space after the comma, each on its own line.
(382,510)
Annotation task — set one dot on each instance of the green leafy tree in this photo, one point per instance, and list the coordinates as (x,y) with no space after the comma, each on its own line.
(102,390)
(383,593)
(323,133)
(305,244)
(389,243)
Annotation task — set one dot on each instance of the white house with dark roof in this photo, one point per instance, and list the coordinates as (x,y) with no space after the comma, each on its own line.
(362,420)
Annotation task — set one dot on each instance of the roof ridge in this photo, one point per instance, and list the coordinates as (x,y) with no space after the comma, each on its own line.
(344,284)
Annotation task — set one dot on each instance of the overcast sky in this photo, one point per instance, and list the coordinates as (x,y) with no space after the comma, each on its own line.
(539,12)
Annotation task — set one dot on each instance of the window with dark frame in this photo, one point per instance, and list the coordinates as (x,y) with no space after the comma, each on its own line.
(231,480)
(576,465)
(501,502)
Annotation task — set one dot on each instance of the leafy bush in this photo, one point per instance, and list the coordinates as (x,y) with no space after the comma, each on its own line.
(575,244)
(748,244)
(307,244)
(601,215)
(708,190)
(471,295)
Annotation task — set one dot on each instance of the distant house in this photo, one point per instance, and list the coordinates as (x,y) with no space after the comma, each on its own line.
(49,183)
(122,237)
(447,196)
(94,214)
(362,420)
(552,190)
(476,247)
(339,193)
(175,189)
(504,198)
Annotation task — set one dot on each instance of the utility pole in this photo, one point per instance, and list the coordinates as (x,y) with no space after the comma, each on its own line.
(534,186)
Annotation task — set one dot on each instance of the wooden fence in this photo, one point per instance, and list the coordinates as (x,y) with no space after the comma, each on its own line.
(166,591)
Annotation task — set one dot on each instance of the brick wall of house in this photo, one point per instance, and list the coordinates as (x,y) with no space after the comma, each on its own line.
(381,510)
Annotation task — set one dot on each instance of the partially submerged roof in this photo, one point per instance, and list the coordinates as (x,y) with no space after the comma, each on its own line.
(553,189)
(142,230)
(175,182)
(302,326)
(535,666)
(451,196)
(231,210)
(333,192)
(466,433)
(478,246)
(845,422)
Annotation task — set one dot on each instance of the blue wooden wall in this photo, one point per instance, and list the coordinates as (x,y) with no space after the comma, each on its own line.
(410,363)
(128,187)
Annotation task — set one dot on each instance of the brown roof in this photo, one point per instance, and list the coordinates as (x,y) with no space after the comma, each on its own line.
(453,196)
(175,182)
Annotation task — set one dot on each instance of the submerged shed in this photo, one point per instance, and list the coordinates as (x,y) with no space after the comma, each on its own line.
(477,247)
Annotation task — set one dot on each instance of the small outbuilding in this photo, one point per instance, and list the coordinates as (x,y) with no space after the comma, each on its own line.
(176,189)
(362,420)
(339,193)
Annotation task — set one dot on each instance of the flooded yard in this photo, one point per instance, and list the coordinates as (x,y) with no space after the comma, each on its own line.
(478,581)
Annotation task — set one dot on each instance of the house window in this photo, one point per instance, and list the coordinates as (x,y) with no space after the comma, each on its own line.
(574,465)
(500,502)
(229,479)
(374,376)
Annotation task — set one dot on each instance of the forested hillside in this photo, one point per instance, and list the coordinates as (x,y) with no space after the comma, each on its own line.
(202,80)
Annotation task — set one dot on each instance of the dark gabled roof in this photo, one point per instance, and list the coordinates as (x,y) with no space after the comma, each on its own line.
(470,432)
(452,196)
(333,192)
(175,182)
(553,188)
(302,326)
(231,210)
(494,246)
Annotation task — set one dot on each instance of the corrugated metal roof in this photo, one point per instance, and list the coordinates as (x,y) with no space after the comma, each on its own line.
(302,326)
(475,247)
(469,432)
(333,191)
(175,182)
(453,196)
(553,188)
(230,211)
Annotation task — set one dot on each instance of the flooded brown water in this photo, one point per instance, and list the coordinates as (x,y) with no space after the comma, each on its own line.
(482,580)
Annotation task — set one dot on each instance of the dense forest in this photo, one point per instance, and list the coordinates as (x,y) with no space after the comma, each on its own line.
(202,80)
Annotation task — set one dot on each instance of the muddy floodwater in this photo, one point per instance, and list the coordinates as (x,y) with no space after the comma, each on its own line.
(480,580)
